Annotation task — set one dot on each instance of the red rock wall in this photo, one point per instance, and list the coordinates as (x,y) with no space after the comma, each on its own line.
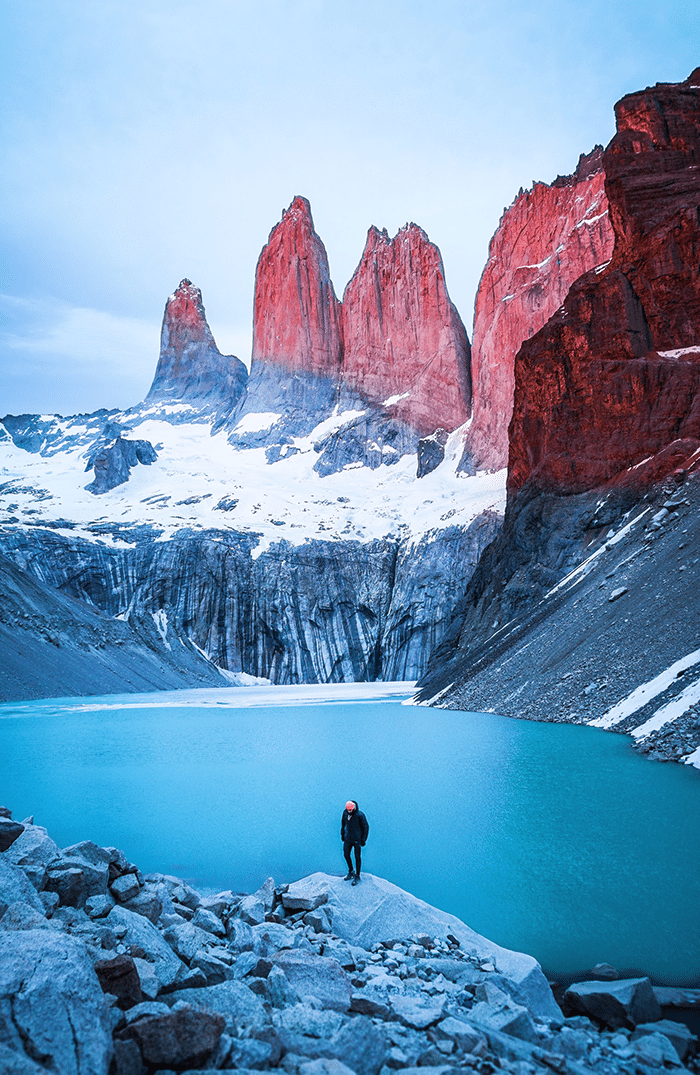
(296,320)
(603,386)
(396,332)
(402,334)
(549,237)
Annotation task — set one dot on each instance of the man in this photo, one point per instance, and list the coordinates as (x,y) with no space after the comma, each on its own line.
(354,830)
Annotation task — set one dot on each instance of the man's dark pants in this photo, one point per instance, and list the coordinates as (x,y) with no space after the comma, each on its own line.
(347,851)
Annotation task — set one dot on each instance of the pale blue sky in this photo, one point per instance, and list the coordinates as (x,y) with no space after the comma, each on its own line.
(146,141)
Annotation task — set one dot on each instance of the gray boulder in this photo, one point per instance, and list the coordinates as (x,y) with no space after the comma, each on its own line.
(240,935)
(186,939)
(681,1037)
(98,906)
(310,1022)
(51,1004)
(271,937)
(14,886)
(360,1045)
(252,910)
(23,915)
(315,977)
(416,1012)
(138,930)
(279,992)
(241,1009)
(616,1004)
(655,1049)
(377,910)
(465,1036)
(32,852)
(502,1014)
(125,887)
(208,921)
(9,832)
(324,1066)
(308,893)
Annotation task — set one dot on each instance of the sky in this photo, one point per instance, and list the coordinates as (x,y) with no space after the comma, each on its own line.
(143,141)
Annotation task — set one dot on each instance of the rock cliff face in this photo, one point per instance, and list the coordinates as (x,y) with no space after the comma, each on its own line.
(190,366)
(606,411)
(321,612)
(403,337)
(550,236)
(613,377)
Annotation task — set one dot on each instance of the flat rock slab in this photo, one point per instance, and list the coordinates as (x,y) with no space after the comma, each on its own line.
(416,1013)
(316,977)
(240,1008)
(376,910)
(672,997)
(51,1004)
(617,1004)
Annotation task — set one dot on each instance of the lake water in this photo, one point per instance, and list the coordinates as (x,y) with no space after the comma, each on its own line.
(552,839)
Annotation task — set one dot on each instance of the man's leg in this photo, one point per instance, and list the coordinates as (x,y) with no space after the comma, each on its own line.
(347,851)
(358,863)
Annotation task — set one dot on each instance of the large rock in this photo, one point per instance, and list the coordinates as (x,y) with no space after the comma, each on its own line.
(376,910)
(404,341)
(51,1004)
(119,976)
(14,886)
(9,831)
(184,1039)
(617,1004)
(139,931)
(316,977)
(241,1009)
(33,851)
(190,365)
(548,237)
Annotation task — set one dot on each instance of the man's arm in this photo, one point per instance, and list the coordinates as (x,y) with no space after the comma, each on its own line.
(364,826)
(342,826)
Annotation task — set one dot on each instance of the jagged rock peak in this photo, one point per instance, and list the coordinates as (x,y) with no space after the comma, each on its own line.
(550,236)
(190,366)
(402,334)
(296,313)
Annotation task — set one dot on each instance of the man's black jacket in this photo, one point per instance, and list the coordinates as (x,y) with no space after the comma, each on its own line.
(354,827)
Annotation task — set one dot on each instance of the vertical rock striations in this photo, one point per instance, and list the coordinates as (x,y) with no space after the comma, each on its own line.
(549,237)
(403,337)
(613,378)
(190,366)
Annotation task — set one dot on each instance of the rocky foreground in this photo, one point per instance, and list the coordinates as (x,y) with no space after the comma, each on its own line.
(106,972)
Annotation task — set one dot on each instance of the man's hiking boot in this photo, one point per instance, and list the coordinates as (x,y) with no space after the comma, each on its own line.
(349,876)
(356,879)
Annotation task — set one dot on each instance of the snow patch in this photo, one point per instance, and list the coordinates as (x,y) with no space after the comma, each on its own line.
(670,712)
(395,399)
(256,422)
(679,352)
(645,692)
(160,619)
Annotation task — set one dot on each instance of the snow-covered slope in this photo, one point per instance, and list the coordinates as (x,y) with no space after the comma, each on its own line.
(201,481)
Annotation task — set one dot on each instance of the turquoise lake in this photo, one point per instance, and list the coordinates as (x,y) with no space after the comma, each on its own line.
(555,840)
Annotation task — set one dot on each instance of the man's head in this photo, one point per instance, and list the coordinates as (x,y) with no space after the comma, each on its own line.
(349,806)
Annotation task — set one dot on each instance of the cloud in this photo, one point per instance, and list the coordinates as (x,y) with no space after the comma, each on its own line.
(54,356)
